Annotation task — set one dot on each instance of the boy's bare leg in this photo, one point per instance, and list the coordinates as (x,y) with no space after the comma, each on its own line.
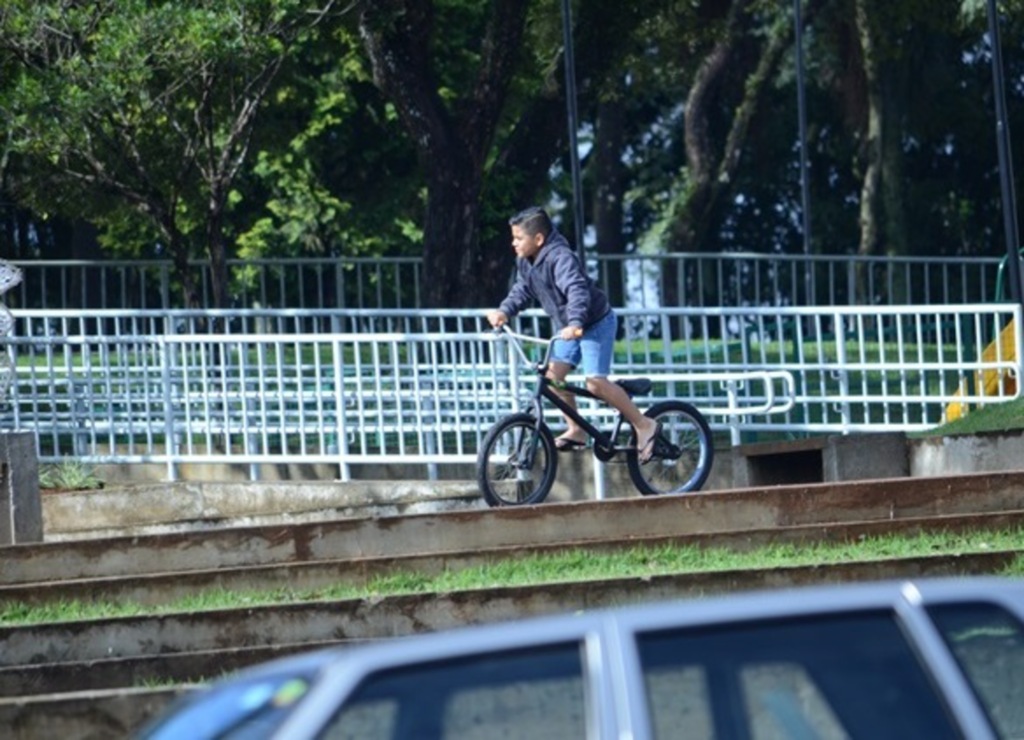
(574,432)
(613,394)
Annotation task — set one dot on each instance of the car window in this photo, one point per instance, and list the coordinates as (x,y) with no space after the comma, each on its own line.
(844,676)
(788,702)
(531,694)
(988,643)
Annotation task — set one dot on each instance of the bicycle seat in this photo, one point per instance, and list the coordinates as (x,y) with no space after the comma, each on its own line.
(635,386)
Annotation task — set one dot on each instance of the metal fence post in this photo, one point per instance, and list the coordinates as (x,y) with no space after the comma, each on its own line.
(735,435)
(842,375)
(344,469)
(170,438)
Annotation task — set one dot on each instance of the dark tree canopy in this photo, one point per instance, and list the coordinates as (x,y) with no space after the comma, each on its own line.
(266,128)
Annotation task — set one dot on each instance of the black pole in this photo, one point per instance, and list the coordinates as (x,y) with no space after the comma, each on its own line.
(801,101)
(1005,159)
(570,103)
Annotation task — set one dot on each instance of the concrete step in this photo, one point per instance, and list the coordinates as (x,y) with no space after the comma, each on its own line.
(439,541)
(316,622)
(165,588)
(557,523)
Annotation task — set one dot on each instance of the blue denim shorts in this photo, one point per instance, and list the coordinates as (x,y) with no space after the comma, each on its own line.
(594,348)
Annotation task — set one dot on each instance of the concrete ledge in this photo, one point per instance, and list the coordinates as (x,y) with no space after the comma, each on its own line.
(159,508)
(163,508)
(978,453)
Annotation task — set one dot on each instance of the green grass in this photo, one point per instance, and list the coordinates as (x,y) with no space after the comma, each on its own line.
(570,566)
(996,417)
(69,475)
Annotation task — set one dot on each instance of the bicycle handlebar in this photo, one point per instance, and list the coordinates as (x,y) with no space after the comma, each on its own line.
(504,332)
(503,329)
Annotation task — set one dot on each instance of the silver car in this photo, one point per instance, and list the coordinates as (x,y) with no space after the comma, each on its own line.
(914,659)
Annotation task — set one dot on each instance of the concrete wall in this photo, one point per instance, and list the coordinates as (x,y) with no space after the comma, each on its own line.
(979,453)
(850,457)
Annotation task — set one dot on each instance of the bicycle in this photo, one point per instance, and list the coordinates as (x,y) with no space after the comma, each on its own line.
(518,460)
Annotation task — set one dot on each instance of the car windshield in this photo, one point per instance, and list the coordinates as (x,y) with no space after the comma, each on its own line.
(250,708)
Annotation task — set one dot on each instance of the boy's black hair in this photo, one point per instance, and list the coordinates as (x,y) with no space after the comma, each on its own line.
(533,220)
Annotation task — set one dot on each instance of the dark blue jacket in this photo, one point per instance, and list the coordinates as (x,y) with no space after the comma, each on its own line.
(557,281)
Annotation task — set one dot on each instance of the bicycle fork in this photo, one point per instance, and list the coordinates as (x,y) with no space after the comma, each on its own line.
(526,456)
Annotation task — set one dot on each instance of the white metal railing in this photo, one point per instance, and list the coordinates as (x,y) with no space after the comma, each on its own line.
(776,396)
(116,388)
(694,279)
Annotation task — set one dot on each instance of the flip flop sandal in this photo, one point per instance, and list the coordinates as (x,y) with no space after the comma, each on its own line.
(646,453)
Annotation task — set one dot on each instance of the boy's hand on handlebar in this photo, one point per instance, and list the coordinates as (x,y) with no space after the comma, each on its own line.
(497,319)
(571,332)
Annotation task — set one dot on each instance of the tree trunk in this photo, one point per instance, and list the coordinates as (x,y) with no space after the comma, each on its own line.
(871,152)
(525,163)
(455,140)
(84,246)
(178,250)
(451,234)
(609,176)
(452,148)
(217,251)
(691,206)
(710,172)
(894,95)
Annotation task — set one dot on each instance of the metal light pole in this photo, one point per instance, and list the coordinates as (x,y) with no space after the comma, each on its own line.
(1005,159)
(570,103)
(801,100)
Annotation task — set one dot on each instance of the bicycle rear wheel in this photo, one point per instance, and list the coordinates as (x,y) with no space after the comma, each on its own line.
(517,462)
(683,453)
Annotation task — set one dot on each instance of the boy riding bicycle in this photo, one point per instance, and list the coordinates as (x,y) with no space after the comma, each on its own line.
(549,271)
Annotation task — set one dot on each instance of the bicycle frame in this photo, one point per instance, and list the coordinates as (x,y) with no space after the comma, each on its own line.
(545,388)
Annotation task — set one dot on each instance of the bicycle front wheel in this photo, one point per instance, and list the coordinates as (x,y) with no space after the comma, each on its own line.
(517,462)
(682,455)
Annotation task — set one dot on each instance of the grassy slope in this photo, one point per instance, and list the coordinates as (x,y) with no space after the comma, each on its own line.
(998,417)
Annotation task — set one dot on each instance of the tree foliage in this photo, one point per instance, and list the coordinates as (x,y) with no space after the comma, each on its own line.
(139,115)
(266,128)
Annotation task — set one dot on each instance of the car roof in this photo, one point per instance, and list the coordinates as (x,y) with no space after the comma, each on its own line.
(747,606)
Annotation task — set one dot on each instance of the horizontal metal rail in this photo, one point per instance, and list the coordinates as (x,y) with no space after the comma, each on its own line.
(111,389)
(692,279)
